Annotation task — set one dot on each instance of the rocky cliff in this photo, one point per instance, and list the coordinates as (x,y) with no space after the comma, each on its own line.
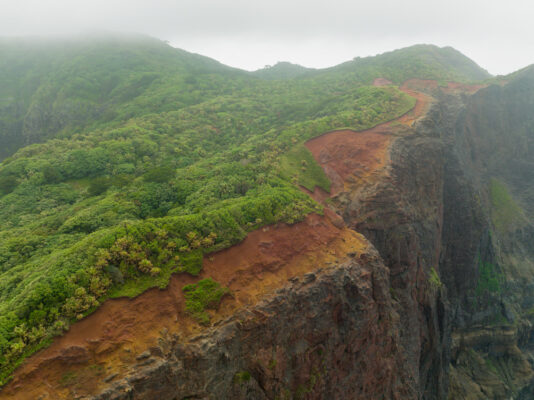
(415,284)
(489,269)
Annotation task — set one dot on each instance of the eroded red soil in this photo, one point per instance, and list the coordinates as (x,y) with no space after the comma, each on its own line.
(425,85)
(349,157)
(108,341)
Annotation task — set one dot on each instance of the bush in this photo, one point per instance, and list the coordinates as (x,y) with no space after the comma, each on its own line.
(159,174)
(203,295)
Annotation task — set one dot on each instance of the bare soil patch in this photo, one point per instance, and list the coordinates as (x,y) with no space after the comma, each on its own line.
(108,341)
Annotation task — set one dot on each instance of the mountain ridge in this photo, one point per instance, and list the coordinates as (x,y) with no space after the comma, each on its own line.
(42,105)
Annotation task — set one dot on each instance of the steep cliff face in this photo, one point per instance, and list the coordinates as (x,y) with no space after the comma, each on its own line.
(329,334)
(490,264)
(452,221)
(459,199)
(401,213)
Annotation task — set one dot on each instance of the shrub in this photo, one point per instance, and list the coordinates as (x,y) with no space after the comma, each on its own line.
(203,295)
(159,174)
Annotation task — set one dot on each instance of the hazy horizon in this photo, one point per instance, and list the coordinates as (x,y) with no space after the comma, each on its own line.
(110,34)
(250,35)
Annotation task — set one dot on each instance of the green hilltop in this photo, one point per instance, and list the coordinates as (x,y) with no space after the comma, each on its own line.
(125,160)
(282,70)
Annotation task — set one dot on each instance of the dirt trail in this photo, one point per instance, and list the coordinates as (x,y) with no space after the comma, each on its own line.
(356,157)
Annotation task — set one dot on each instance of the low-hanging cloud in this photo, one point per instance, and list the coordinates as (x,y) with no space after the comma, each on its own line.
(249,34)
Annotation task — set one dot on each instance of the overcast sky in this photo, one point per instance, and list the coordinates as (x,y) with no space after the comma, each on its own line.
(499,35)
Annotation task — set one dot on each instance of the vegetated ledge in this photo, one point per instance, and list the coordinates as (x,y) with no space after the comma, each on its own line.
(111,340)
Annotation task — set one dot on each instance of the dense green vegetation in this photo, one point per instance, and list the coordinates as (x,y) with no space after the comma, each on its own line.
(203,295)
(299,165)
(282,70)
(51,87)
(420,61)
(145,158)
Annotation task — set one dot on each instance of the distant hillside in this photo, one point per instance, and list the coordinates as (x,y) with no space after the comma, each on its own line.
(53,86)
(282,70)
(419,61)
(59,87)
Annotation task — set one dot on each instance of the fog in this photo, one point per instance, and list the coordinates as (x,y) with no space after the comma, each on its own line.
(250,34)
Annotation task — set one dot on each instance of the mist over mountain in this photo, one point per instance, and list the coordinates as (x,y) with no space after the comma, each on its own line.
(173,227)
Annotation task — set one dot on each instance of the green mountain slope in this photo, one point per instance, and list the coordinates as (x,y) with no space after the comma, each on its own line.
(145,157)
(419,61)
(282,70)
(61,87)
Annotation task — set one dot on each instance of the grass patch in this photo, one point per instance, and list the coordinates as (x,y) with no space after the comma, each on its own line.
(242,377)
(97,369)
(299,165)
(434,280)
(190,262)
(68,378)
(489,279)
(6,374)
(506,214)
(490,364)
(203,295)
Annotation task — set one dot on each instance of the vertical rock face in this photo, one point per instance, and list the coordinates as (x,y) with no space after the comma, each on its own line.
(402,215)
(488,262)
(330,334)
(458,199)
(460,261)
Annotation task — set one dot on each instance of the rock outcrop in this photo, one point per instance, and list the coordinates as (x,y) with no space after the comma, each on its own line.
(328,334)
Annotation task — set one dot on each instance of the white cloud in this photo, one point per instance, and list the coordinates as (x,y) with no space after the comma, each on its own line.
(250,34)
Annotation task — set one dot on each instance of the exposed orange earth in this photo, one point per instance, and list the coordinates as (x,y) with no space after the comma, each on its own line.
(108,341)
(350,157)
